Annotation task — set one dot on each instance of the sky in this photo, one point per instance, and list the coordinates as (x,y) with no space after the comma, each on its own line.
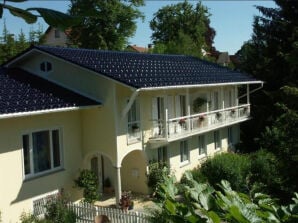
(232,20)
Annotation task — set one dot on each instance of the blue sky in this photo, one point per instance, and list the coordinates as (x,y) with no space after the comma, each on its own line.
(232,20)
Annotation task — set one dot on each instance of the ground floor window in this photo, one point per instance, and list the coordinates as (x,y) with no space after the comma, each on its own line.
(162,155)
(202,145)
(42,151)
(184,153)
(230,135)
(217,141)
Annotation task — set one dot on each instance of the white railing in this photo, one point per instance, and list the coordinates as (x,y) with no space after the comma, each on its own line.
(86,212)
(180,126)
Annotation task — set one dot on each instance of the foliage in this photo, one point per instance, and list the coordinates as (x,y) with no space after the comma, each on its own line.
(281,140)
(198,103)
(182,29)
(227,166)
(11,46)
(88,181)
(157,172)
(272,56)
(30,218)
(201,203)
(264,173)
(57,211)
(106,24)
(51,17)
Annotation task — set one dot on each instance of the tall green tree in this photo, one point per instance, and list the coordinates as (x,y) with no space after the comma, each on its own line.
(107,24)
(272,56)
(182,28)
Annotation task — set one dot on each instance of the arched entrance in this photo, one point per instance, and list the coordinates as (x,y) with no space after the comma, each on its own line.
(133,172)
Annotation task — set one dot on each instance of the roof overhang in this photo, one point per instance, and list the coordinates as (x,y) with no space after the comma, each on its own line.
(46,111)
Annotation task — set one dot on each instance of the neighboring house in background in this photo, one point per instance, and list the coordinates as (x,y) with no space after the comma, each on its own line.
(223,59)
(137,49)
(63,109)
(56,37)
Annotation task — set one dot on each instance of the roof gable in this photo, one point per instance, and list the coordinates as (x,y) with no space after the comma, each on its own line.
(149,70)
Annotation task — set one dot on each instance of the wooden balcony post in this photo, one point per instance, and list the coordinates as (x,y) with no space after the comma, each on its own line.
(247,92)
(166,124)
(188,110)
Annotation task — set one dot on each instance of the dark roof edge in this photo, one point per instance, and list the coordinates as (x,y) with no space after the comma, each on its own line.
(46,111)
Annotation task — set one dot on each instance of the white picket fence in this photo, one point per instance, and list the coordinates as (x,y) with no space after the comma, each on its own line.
(86,213)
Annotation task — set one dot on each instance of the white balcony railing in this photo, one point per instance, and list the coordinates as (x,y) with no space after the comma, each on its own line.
(177,127)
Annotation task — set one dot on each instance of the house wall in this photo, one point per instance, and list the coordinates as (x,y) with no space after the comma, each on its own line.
(17,194)
(50,38)
(98,125)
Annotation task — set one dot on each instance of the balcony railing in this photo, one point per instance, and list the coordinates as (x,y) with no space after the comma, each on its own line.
(178,127)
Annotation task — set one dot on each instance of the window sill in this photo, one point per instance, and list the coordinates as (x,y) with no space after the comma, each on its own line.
(39,175)
(202,156)
(184,163)
(133,141)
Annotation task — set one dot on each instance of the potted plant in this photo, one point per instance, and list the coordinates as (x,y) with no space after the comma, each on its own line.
(125,202)
(107,186)
(218,115)
(182,121)
(135,127)
(198,103)
(233,111)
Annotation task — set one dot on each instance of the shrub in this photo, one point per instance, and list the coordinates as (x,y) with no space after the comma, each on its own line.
(265,176)
(157,172)
(57,211)
(227,166)
(30,218)
(88,181)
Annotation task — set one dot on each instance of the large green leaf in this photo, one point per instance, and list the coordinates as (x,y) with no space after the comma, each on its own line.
(55,18)
(27,16)
(1,11)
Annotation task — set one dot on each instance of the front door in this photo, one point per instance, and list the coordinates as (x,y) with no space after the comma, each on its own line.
(97,167)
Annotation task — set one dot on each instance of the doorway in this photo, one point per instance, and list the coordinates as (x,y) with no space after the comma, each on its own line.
(97,166)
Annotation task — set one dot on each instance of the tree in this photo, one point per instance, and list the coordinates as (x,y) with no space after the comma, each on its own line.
(51,17)
(182,28)
(107,24)
(272,56)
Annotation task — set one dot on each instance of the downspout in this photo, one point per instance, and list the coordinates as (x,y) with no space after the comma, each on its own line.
(254,90)
(130,102)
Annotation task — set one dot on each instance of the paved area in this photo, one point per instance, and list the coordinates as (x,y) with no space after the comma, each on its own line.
(140,201)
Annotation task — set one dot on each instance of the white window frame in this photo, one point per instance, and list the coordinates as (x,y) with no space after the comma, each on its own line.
(202,146)
(184,150)
(132,136)
(31,155)
(217,140)
(48,66)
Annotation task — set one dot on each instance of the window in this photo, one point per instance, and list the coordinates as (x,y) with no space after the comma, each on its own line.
(41,152)
(217,141)
(184,154)
(162,154)
(230,135)
(133,120)
(202,145)
(216,101)
(57,33)
(45,66)
(182,99)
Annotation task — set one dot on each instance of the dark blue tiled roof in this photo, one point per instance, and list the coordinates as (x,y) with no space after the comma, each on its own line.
(24,92)
(149,70)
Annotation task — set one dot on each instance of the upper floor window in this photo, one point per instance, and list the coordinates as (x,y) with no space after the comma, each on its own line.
(184,153)
(42,152)
(202,145)
(215,100)
(133,121)
(57,33)
(45,66)
(217,141)
(180,105)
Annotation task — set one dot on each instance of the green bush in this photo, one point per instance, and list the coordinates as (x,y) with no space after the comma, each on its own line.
(227,166)
(157,172)
(88,181)
(57,211)
(30,218)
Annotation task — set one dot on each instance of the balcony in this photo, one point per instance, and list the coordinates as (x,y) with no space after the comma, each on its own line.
(181,127)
